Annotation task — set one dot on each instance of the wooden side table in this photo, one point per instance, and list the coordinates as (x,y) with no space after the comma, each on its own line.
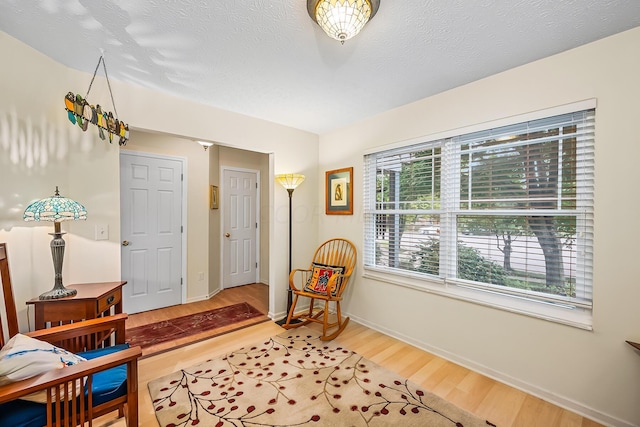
(92,300)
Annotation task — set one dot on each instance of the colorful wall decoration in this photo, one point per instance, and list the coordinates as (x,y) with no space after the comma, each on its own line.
(80,112)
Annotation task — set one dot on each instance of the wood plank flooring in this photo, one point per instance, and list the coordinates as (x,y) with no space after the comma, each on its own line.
(257,295)
(489,399)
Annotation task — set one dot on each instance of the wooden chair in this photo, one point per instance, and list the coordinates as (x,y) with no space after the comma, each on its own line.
(102,342)
(326,280)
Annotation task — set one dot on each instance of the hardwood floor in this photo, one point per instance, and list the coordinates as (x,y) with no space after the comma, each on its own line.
(501,404)
(256,294)
(489,399)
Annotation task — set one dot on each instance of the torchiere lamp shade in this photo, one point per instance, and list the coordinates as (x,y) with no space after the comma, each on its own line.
(290,180)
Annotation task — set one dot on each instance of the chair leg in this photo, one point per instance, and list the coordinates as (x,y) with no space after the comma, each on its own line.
(325,320)
(132,415)
(291,316)
(131,407)
(312,303)
(341,324)
(287,324)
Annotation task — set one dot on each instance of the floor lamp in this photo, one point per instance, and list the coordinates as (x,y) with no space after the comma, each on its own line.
(56,209)
(289,181)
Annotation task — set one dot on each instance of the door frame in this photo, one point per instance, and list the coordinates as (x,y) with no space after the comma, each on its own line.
(223,169)
(183,203)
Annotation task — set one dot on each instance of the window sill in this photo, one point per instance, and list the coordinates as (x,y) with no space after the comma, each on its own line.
(576,317)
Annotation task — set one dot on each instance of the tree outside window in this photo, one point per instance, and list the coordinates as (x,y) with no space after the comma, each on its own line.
(506,209)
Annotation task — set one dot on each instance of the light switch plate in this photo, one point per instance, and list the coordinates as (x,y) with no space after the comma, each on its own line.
(102,232)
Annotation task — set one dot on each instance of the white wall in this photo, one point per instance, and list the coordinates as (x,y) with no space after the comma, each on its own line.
(596,372)
(40,148)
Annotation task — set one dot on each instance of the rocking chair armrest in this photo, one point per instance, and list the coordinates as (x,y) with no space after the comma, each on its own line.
(338,279)
(292,277)
(56,377)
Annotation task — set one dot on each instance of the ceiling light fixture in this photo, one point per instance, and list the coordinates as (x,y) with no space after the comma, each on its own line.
(205,144)
(342,19)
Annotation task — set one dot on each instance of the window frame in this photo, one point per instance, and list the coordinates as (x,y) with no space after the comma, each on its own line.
(553,309)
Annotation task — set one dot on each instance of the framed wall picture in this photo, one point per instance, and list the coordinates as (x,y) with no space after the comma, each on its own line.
(213,197)
(339,192)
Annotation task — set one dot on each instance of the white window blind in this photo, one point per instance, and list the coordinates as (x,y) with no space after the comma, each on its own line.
(506,210)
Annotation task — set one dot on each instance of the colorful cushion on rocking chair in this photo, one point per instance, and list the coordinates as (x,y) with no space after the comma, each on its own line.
(320,275)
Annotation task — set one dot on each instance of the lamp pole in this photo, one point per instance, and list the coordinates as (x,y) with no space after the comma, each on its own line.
(289,293)
(290,182)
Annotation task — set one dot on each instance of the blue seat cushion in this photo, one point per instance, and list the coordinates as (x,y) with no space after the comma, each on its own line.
(107,385)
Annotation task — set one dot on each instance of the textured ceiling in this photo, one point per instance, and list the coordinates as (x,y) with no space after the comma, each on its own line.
(268,59)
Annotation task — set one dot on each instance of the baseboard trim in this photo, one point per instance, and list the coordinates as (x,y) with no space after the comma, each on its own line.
(531,389)
(204,297)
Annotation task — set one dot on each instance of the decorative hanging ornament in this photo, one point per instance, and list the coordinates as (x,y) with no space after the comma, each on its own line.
(81,112)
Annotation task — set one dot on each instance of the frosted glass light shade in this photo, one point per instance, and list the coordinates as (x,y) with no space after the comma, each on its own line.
(290,180)
(205,144)
(342,19)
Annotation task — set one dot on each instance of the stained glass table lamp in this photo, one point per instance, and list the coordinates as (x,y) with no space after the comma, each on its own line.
(56,209)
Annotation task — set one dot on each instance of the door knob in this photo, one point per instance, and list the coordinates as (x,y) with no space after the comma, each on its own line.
(227,235)
(125,243)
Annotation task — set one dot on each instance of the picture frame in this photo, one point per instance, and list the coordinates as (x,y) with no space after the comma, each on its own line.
(339,192)
(213,197)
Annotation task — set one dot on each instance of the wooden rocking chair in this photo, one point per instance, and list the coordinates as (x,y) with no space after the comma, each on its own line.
(326,279)
(109,376)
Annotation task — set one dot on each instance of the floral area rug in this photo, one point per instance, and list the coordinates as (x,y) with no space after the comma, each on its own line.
(295,379)
(188,329)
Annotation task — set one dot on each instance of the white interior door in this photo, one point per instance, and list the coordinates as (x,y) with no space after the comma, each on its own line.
(239,248)
(151,230)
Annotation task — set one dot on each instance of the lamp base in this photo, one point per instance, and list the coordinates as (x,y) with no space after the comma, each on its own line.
(282,321)
(59,292)
(57,251)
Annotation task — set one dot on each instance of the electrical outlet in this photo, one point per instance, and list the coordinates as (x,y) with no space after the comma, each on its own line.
(102,232)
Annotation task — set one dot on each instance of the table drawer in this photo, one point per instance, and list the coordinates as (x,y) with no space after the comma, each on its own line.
(109,300)
(63,313)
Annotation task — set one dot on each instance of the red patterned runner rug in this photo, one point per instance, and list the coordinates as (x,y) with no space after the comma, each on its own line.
(179,331)
(294,379)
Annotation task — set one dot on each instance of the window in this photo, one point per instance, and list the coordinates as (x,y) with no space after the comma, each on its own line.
(503,216)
